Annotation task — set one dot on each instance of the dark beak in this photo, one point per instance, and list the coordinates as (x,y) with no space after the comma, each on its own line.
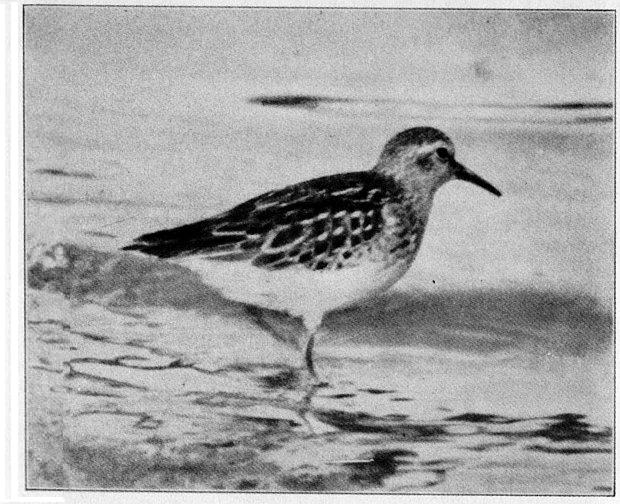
(462,173)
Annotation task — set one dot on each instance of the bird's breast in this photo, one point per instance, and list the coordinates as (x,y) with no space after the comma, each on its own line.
(401,235)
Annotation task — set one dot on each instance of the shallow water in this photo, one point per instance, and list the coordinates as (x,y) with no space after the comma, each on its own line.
(487,369)
(139,369)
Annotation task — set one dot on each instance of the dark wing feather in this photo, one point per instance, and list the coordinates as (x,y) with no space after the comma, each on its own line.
(313,223)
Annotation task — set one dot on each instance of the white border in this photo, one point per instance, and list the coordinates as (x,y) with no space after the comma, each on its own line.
(376,4)
(11,268)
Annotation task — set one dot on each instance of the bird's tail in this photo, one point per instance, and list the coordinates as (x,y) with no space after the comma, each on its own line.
(183,240)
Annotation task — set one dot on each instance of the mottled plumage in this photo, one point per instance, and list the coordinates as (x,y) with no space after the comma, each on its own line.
(325,243)
(325,223)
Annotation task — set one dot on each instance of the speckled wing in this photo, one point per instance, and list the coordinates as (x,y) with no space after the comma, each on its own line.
(319,223)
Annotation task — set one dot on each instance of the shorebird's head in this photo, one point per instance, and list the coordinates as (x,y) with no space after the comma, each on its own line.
(423,159)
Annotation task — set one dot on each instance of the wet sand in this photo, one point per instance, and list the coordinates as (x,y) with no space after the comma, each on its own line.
(139,377)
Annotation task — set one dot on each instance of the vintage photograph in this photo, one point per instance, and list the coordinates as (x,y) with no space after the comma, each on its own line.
(319,250)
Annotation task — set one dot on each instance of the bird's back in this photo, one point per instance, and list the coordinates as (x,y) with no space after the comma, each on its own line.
(326,243)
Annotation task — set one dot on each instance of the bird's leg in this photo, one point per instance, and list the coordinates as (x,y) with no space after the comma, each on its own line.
(277,325)
(305,408)
(308,357)
(312,322)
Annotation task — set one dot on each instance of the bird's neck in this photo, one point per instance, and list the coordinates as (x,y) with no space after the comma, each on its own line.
(418,207)
(416,197)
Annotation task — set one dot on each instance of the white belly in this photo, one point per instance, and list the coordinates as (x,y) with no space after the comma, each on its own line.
(297,290)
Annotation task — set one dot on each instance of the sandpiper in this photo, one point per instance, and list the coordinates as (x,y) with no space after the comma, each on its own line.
(322,244)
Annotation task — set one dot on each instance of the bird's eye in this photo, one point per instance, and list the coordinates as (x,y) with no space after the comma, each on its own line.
(442,153)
